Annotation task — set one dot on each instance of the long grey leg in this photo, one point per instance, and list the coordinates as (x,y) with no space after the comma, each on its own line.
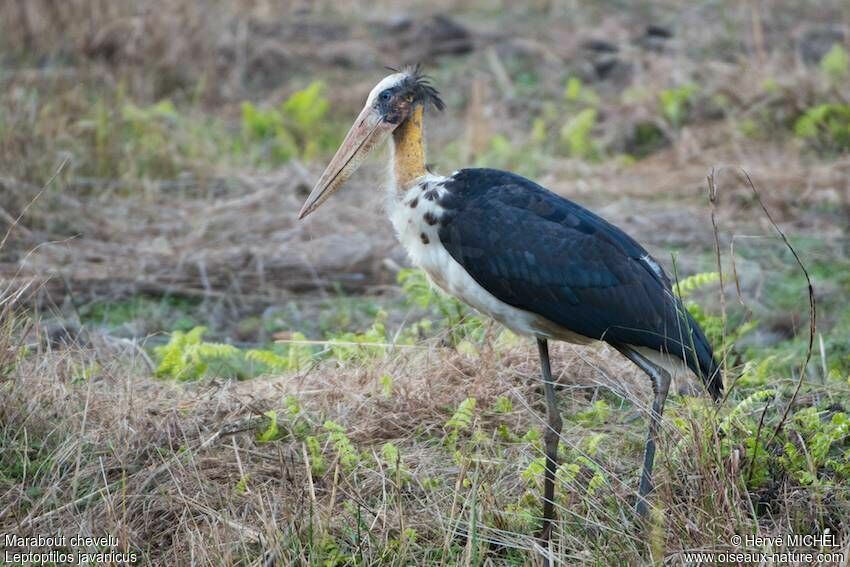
(660,386)
(550,437)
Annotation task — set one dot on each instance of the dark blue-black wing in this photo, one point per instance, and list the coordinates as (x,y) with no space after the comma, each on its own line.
(542,253)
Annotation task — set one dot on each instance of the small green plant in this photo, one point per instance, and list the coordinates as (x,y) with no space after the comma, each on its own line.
(265,136)
(463,415)
(597,478)
(304,114)
(386,382)
(572,91)
(745,408)
(347,455)
(268,358)
(365,346)
(675,104)
(295,358)
(460,322)
(750,128)
(505,434)
(297,420)
(416,287)
(576,135)
(147,132)
(835,65)
(719,334)
(818,447)
(314,452)
(813,448)
(503,405)
(131,141)
(567,473)
(594,416)
(242,486)
(686,286)
(298,128)
(461,420)
(825,127)
(575,92)
(271,432)
(187,356)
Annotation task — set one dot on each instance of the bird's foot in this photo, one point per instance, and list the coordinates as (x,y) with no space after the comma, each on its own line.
(545,537)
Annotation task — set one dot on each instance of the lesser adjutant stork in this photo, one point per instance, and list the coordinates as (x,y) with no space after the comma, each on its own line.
(541,265)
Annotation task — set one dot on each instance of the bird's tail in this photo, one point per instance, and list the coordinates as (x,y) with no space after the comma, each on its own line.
(704,364)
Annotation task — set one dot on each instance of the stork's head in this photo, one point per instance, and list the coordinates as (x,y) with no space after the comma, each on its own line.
(391,102)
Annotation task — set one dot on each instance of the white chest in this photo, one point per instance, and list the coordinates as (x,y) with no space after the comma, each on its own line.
(415,215)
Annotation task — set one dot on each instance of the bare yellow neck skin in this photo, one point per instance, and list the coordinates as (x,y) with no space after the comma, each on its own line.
(409,152)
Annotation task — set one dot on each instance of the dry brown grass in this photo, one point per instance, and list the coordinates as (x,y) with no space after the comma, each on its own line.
(177,472)
(157,464)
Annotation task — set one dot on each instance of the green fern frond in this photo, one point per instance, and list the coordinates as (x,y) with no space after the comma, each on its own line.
(416,287)
(684,287)
(271,432)
(268,358)
(314,451)
(745,407)
(186,356)
(463,415)
(348,456)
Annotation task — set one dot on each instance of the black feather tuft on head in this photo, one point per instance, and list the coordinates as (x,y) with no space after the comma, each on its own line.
(419,85)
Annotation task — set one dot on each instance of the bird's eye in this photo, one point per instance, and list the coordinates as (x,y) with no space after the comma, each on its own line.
(386,95)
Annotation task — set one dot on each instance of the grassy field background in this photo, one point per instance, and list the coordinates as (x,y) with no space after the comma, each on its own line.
(185,367)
